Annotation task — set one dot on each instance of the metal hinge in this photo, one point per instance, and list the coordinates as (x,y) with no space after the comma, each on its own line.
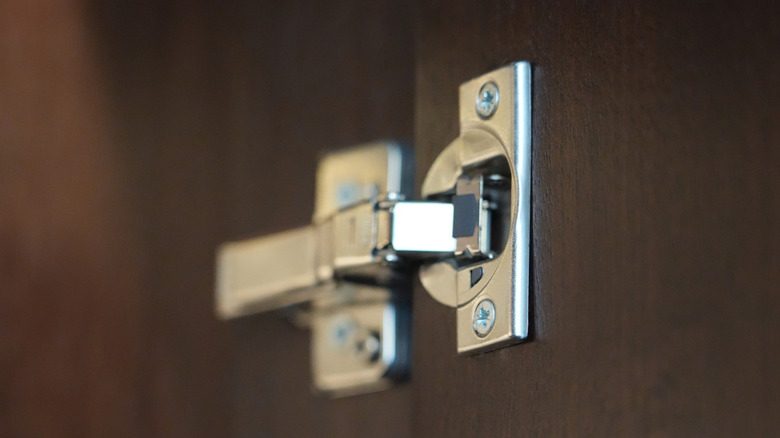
(349,272)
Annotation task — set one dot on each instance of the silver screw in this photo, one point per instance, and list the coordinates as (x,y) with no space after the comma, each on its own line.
(391,258)
(484,317)
(371,346)
(341,330)
(347,193)
(487,100)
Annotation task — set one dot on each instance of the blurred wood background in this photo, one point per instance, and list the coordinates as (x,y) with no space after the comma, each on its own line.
(136,136)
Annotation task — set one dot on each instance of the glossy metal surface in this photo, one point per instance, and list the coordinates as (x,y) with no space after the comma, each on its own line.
(266,272)
(422,227)
(484,143)
(473,231)
(379,170)
(340,267)
(350,226)
(361,345)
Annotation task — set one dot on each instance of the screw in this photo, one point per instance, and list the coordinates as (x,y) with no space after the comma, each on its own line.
(342,329)
(370,346)
(484,317)
(487,100)
(391,258)
(347,193)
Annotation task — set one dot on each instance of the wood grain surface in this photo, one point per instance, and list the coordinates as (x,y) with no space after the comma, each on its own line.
(656,245)
(134,137)
(113,188)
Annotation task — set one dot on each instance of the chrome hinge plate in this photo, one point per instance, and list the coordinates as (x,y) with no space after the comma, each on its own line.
(490,293)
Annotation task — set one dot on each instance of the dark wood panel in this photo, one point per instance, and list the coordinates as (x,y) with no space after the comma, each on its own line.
(137,136)
(134,138)
(655,207)
(113,175)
